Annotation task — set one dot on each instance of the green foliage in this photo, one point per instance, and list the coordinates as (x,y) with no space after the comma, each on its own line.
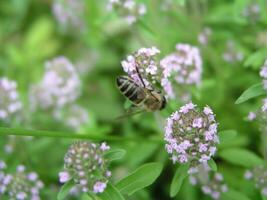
(111,192)
(140,178)
(65,189)
(251,92)
(177,181)
(240,157)
(31,35)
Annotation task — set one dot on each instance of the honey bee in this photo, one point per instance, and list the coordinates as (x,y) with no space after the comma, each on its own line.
(148,99)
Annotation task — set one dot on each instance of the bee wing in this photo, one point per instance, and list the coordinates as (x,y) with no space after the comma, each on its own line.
(133,110)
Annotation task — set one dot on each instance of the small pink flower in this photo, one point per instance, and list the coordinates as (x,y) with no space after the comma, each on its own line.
(64,177)
(99,187)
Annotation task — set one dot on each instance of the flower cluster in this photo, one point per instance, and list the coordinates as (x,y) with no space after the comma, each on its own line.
(86,165)
(20,185)
(128,9)
(184,67)
(74,116)
(231,54)
(259,175)
(59,86)
(69,12)
(9,99)
(191,135)
(142,63)
(211,183)
(263,74)
(204,35)
(252,12)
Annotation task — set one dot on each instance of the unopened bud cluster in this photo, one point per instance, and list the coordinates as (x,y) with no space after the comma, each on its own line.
(86,165)
(130,10)
(60,85)
(9,99)
(191,135)
(21,185)
(142,63)
(183,67)
(252,12)
(259,175)
(68,13)
(211,183)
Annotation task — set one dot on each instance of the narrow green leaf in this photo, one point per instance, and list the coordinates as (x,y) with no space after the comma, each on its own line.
(111,193)
(232,194)
(256,59)
(177,181)
(115,154)
(140,178)
(64,191)
(251,92)
(212,164)
(85,196)
(240,157)
(226,135)
(181,2)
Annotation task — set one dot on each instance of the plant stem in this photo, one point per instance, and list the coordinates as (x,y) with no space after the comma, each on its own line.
(4,131)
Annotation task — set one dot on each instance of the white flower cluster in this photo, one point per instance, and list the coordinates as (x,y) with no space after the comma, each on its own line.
(231,54)
(69,12)
(259,176)
(9,99)
(191,135)
(74,116)
(128,9)
(20,185)
(263,74)
(142,62)
(183,67)
(211,183)
(60,85)
(86,165)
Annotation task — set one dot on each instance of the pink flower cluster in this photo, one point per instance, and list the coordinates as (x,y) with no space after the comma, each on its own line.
(130,10)
(211,183)
(86,165)
(191,135)
(60,85)
(259,176)
(263,74)
(142,61)
(9,99)
(204,36)
(231,54)
(20,185)
(69,13)
(183,67)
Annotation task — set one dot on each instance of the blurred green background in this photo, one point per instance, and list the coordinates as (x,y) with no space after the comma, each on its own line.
(30,35)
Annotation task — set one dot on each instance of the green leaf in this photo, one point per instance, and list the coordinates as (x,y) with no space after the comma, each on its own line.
(64,191)
(212,165)
(234,195)
(140,178)
(240,157)
(85,196)
(256,59)
(227,135)
(251,92)
(115,154)
(111,193)
(177,181)
(263,197)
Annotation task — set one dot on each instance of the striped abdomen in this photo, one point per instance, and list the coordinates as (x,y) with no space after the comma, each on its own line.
(131,90)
